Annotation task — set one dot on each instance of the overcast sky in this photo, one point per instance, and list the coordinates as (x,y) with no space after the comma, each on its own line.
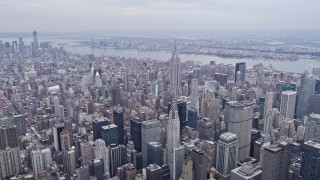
(193,15)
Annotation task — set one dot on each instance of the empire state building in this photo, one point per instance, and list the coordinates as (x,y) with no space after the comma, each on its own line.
(175,73)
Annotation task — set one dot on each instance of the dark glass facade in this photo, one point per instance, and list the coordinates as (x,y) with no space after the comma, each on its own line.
(135,128)
(192,117)
(110,134)
(118,120)
(310,162)
(97,127)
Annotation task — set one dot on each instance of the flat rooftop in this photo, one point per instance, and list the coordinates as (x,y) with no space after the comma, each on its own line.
(314,143)
(240,103)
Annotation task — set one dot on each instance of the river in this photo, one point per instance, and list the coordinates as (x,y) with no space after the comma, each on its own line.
(73,46)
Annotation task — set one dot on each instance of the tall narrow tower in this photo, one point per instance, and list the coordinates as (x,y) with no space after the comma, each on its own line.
(194,88)
(173,136)
(241,70)
(288,103)
(268,103)
(56,105)
(194,92)
(175,73)
(35,40)
(126,81)
(227,153)
(306,95)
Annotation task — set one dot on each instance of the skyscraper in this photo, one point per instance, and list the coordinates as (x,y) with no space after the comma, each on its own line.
(97,126)
(154,172)
(175,73)
(130,171)
(115,95)
(306,93)
(227,153)
(268,104)
(194,88)
(238,119)
(57,129)
(102,152)
(150,131)
(86,153)
(8,137)
(117,158)
(10,162)
(182,112)
(187,169)
(35,40)
(288,103)
(178,159)
(96,168)
(268,121)
(20,122)
(135,128)
(275,161)
(310,161)
(211,108)
(56,106)
(165,172)
(194,93)
(205,128)
(109,134)
(77,148)
(316,106)
(126,81)
(98,80)
(46,157)
(192,117)
(137,160)
(37,163)
(241,71)
(130,151)
(200,164)
(21,43)
(82,173)
(318,86)
(221,78)
(155,154)
(255,135)
(173,135)
(68,126)
(65,140)
(70,161)
(119,121)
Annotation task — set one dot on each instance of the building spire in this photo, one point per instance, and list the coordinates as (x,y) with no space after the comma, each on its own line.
(174,105)
(174,110)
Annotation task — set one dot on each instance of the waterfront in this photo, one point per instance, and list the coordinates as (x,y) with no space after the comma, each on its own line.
(72,44)
(297,66)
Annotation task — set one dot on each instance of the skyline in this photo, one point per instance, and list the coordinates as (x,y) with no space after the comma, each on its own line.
(183,102)
(177,15)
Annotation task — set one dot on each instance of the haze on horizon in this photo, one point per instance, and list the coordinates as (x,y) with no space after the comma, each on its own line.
(158,15)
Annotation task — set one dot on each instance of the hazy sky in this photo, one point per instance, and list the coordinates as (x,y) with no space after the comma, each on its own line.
(193,15)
